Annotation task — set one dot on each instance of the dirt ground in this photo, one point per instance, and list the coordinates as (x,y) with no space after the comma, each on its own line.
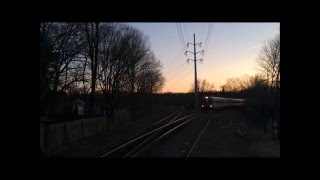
(231,134)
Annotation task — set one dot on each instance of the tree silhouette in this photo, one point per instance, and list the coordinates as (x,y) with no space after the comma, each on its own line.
(92,57)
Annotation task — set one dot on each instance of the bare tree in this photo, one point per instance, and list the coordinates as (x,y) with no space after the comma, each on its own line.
(66,47)
(127,64)
(149,77)
(138,48)
(233,85)
(112,69)
(269,63)
(245,82)
(92,32)
(95,57)
(203,86)
(46,58)
(60,43)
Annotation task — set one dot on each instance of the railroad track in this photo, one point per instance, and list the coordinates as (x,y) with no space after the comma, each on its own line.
(150,135)
(161,122)
(195,142)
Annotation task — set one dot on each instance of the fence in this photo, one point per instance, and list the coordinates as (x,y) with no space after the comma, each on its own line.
(56,135)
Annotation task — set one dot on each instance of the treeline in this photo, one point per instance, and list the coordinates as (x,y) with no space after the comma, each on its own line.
(262,99)
(89,58)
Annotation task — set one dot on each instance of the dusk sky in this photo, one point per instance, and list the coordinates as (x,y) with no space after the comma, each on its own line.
(231,51)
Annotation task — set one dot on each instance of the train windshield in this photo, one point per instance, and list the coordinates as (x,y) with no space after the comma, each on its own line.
(206,99)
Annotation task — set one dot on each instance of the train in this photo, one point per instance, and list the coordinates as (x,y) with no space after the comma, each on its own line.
(218,103)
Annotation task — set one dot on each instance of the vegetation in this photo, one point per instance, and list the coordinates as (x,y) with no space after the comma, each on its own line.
(109,59)
(262,90)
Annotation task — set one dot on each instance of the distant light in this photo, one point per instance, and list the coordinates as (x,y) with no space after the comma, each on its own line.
(202,106)
(207,97)
(210,105)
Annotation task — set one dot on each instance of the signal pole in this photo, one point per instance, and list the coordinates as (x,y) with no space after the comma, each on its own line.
(195,68)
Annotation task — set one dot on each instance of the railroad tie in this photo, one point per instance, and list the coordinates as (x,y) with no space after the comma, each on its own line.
(239,133)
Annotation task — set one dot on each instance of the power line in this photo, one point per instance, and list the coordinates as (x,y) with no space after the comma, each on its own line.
(176,61)
(180,79)
(210,31)
(182,75)
(178,73)
(183,41)
(202,33)
(180,38)
(186,30)
(177,69)
(209,37)
(176,65)
(185,74)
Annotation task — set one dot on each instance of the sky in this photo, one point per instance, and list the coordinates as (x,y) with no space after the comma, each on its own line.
(231,50)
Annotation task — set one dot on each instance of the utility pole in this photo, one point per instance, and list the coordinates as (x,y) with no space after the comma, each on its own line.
(195,69)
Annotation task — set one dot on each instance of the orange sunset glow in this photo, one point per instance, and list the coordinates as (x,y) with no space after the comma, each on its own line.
(231,50)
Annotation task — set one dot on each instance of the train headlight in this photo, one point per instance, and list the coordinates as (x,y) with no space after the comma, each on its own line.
(202,105)
(207,97)
(210,105)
